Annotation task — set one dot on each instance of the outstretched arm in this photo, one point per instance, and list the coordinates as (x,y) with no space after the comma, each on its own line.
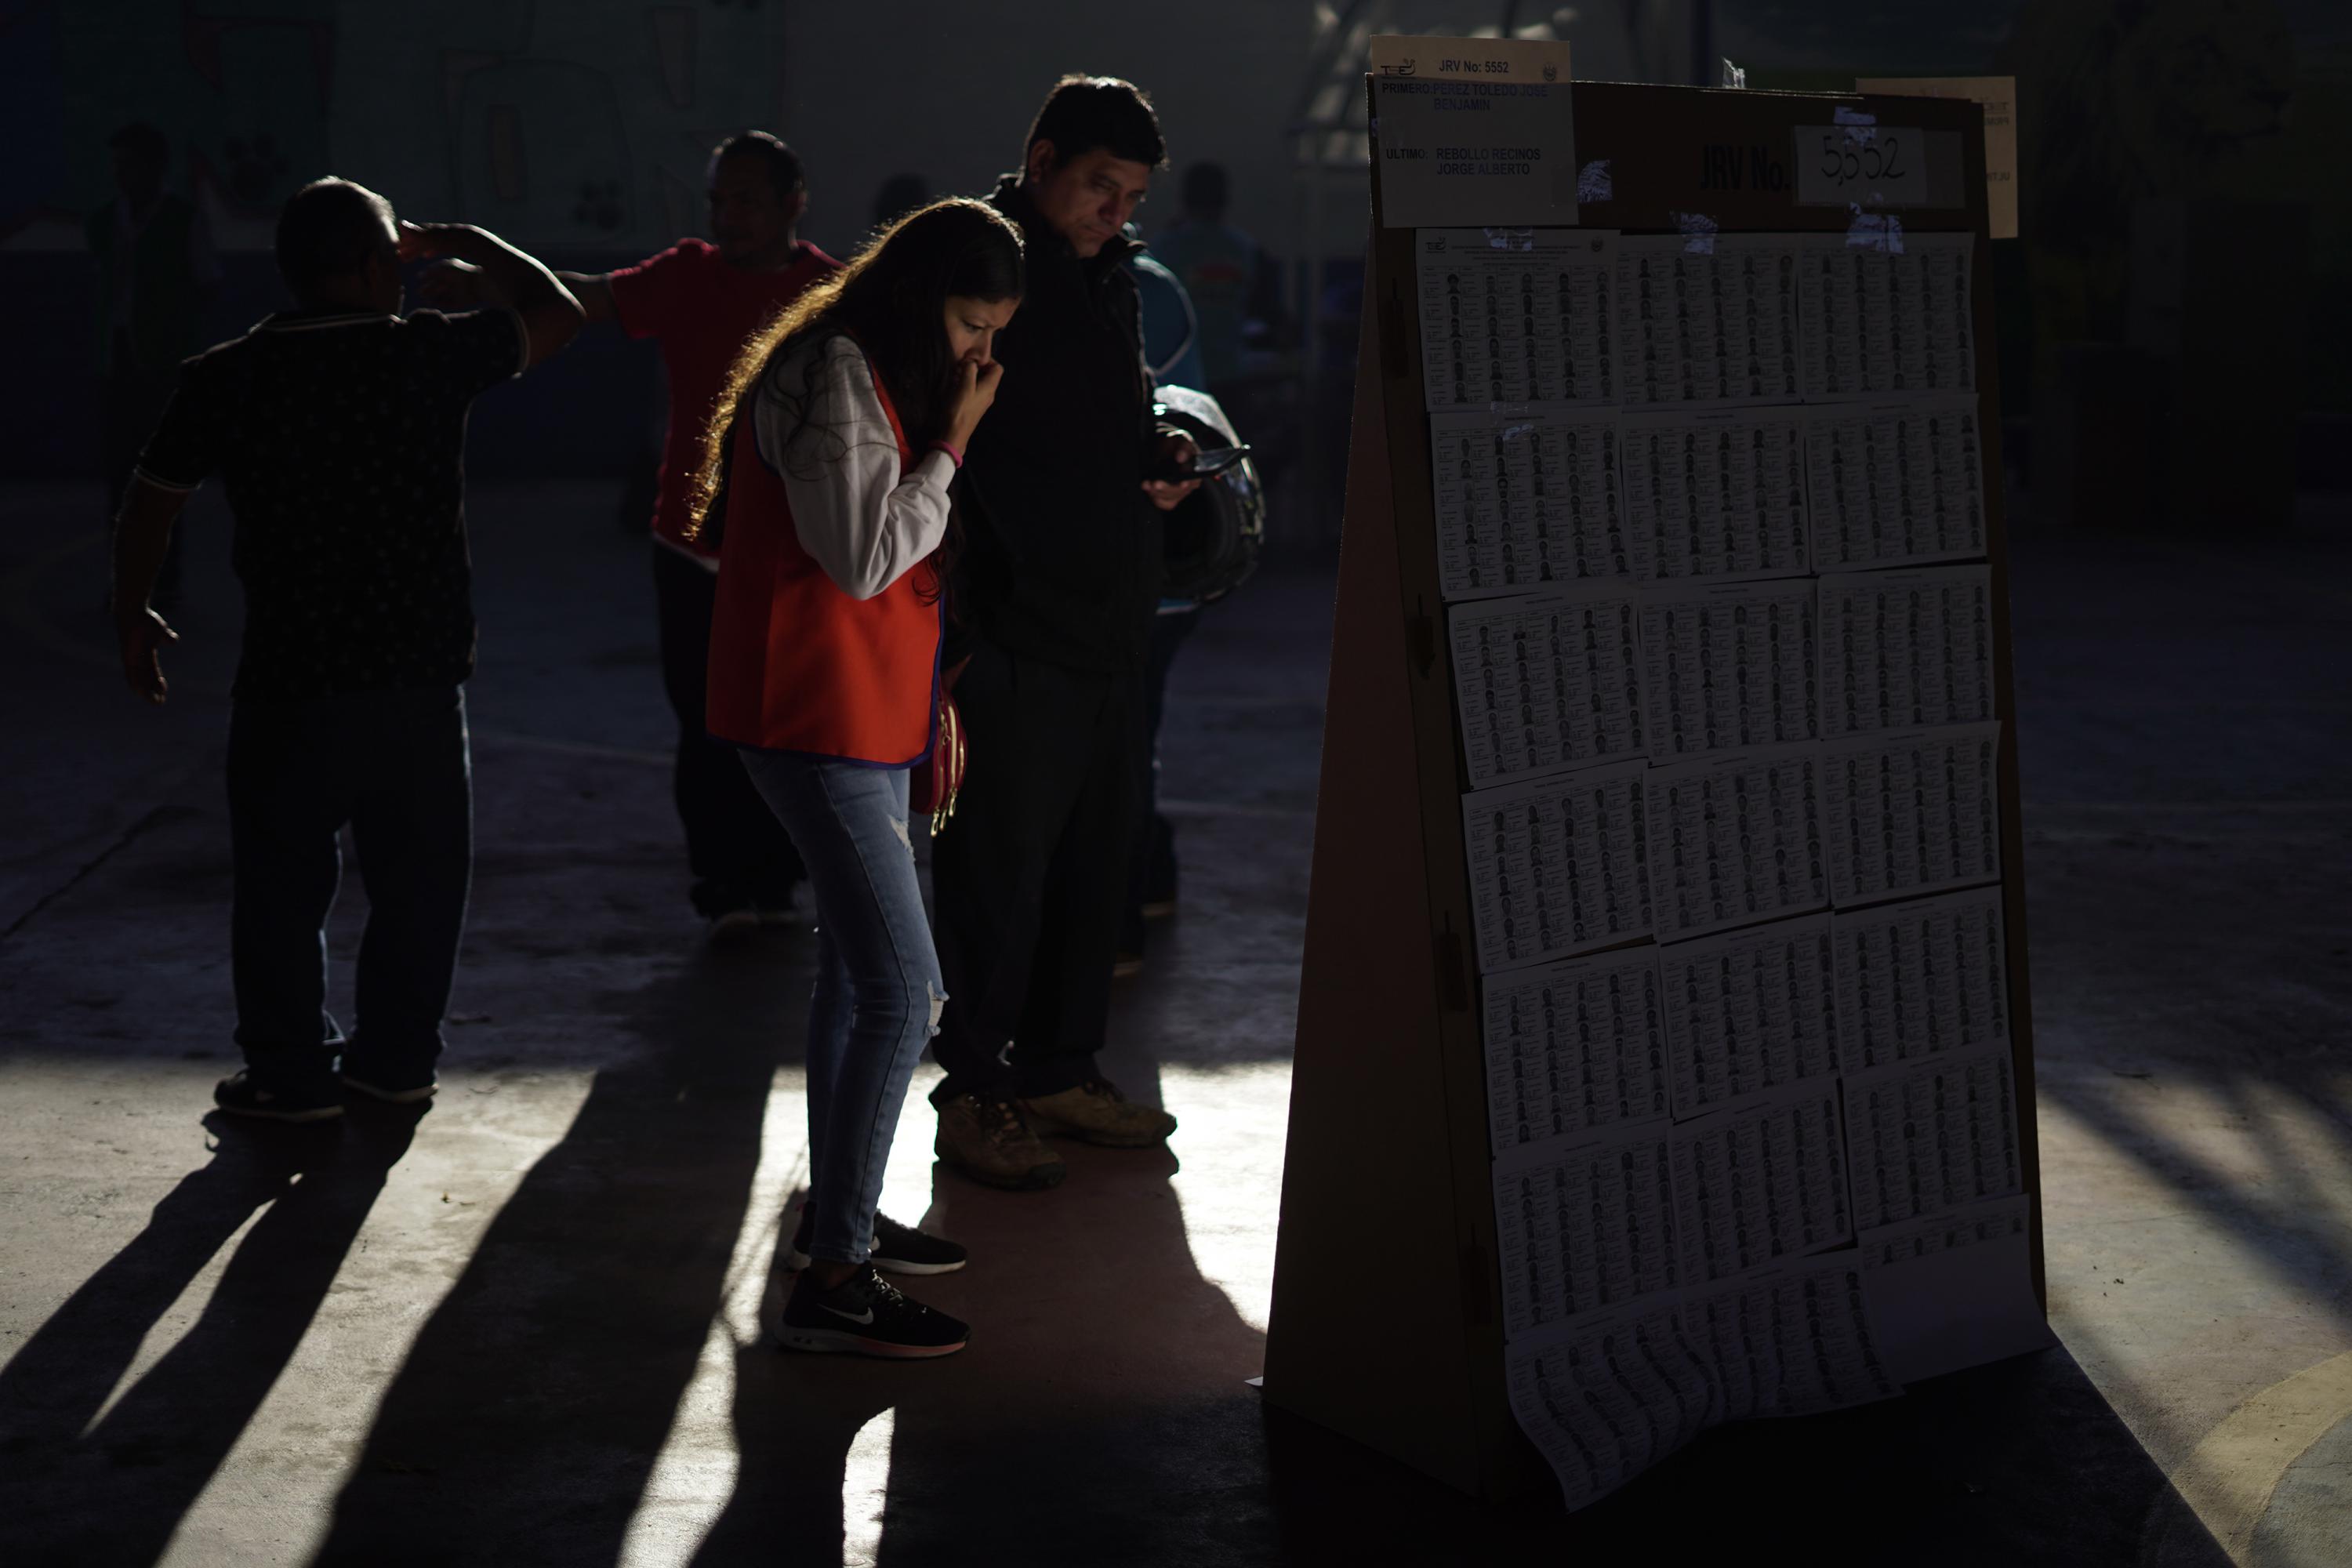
(452,285)
(551,316)
(594,292)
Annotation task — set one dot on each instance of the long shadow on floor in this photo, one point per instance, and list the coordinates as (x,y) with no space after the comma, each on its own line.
(115,1491)
(527,1418)
(2018,1462)
(1100,1418)
(1070,1431)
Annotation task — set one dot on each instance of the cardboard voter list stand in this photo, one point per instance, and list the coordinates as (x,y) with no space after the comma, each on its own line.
(1664,1054)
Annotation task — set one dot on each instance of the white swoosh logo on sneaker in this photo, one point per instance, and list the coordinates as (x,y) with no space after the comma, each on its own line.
(864,1317)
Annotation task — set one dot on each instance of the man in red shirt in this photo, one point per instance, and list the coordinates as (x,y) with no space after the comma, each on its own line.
(701,301)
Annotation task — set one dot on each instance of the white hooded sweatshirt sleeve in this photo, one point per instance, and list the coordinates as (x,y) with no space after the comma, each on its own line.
(861,518)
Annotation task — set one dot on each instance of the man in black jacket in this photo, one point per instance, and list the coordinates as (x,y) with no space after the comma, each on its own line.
(1055,594)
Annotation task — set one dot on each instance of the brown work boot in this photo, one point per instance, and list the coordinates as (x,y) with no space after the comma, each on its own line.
(985,1137)
(1097,1112)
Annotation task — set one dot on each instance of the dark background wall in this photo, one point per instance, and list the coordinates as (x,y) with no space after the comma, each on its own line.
(580,129)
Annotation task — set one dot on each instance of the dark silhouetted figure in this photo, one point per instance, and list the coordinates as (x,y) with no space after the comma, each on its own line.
(1061,578)
(338,427)
(701,301)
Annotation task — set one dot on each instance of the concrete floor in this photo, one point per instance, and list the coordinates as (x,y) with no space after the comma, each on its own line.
(525,1326)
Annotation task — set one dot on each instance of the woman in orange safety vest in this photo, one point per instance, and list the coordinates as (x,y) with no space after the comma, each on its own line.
(825,487)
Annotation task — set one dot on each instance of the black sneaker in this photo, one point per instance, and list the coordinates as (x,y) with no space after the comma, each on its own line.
(895,1249)
(393,1086)
(240,1094)
(867,1315)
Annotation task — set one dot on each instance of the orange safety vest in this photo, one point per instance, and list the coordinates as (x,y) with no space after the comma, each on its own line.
(796,664)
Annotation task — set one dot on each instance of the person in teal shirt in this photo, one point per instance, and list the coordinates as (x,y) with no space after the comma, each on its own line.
(1222,269)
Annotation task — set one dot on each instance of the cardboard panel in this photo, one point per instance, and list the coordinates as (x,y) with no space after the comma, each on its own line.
(1388,1153)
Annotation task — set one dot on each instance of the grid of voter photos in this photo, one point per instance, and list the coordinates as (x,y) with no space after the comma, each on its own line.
(1710,528)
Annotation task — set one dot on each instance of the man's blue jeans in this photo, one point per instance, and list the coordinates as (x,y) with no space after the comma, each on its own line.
(877,987)
(394,766)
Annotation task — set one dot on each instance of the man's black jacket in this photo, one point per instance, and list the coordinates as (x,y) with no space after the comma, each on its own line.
(1062,549)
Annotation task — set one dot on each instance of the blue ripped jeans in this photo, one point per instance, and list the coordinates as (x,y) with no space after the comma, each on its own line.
(878,983)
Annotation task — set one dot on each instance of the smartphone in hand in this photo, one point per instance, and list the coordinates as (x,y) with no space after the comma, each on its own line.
(1205,465)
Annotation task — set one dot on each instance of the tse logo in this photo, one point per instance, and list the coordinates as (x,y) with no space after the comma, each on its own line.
(1723,167)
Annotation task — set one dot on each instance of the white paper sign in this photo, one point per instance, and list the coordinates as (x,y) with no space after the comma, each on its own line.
(1931,1135)
(1528,500)
(1921,979)
(1512,316)
(1760,1183)
(1729,665)
(1735,838)
(1894,483)
(1574,1047)
(1718,494)
(1557,866)
(1896,314)
(1790,1339)
(1461,148)
(1547,682)
(1997,95)
(1749,1012)
(1901,650)
(1609,1395)
(1718,323)
(1910,812)
(1956,1289)
(1869,166)
(1584,1225)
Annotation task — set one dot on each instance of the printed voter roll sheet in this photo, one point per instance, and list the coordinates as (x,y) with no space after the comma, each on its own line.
(1749,1011)
(1518,315)
(1918,979)
(1709,317)
(1729,665)
(1955,1289)
(1927,1136)
(1574,1047)
(1717,493)
(1584,1225)
(1547,682)
(1557,866)
(1764,1182)
(1528,499)
(1606,1396)
(1894,483)
(1735,838)
(1911,812)
(1885,310)
(1791,1338)
(1903,650)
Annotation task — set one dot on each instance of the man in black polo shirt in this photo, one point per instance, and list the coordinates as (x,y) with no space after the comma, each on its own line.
(339,429)
(1058,585)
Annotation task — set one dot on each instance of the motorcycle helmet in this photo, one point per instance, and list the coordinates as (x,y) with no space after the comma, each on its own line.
(1214,534)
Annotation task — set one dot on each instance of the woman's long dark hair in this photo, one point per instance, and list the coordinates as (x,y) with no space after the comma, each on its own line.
(892,299)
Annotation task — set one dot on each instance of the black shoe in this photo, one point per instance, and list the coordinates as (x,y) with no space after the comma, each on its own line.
(240,1094)
(393,1086)
(895,1249)
(867,1315)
